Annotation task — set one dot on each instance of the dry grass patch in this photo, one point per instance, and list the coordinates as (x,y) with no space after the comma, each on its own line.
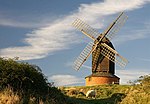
(7,96)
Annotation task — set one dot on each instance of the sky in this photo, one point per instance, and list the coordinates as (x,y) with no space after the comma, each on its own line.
(39,32)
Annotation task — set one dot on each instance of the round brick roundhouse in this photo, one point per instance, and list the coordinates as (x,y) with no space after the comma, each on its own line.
(101,78)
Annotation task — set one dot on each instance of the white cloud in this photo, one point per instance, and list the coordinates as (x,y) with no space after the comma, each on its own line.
(131,74)
(63,80)
(59,34)
(20,22)
(133,35)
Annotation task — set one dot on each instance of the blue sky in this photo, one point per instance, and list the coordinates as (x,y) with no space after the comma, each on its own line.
(40,32)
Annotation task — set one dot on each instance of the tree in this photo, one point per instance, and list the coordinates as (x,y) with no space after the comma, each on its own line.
(23,77)
(145,80)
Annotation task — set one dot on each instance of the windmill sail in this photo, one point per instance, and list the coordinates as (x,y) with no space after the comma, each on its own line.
(98,38)
(113,55)
(115,26)
(84,55)
(86,29)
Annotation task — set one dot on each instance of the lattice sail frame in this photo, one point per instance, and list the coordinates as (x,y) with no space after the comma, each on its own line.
(106,51)
(85,29)
(84,55)
(116,26)
(93,34)
(113,55)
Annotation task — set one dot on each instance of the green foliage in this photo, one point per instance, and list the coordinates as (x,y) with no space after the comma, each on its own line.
(28,82)
(21,76)
(145,79)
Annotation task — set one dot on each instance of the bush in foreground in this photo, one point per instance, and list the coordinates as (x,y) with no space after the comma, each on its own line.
(27,83)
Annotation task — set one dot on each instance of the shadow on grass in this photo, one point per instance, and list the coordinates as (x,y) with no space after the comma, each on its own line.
(114,99)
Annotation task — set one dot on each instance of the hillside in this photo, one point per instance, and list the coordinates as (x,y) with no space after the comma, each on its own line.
(105,94)
(109,94)
(22,83)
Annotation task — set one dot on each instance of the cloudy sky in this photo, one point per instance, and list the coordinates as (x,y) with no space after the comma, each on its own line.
(40,32)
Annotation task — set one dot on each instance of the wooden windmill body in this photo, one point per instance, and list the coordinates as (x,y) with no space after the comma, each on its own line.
(103,53)
(103,69)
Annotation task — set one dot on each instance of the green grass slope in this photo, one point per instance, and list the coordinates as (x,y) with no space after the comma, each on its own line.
(109,94)
(22,83)
(105,94)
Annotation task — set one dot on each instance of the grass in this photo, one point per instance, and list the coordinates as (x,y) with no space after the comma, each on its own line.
(7,96)
(105,94)
(109,94)
(138,94)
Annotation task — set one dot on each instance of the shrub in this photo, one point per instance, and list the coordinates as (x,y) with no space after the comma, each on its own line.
(145,80)
(24,78)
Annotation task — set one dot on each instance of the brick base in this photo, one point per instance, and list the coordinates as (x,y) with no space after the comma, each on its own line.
(100,80)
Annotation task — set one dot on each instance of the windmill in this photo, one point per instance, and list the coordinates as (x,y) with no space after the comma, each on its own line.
(104,56)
